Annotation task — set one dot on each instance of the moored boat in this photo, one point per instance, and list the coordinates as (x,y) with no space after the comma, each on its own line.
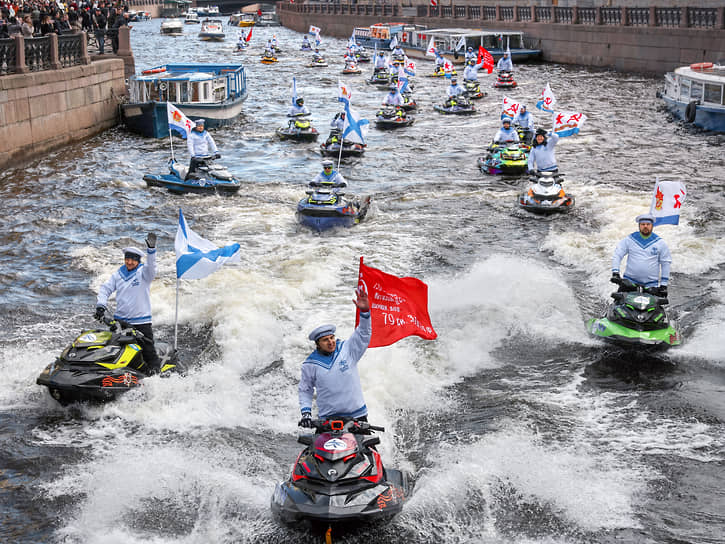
(192,18)
(214,92)
(695,93)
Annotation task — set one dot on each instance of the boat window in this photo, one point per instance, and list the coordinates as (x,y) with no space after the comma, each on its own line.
(685,89)
(207,91)
(713,93)
(696,91)
(183,92)
(194,92)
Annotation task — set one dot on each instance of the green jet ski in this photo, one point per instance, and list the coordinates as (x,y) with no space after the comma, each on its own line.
(636,317)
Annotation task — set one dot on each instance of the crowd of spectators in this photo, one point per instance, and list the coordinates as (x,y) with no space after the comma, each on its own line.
(34,18)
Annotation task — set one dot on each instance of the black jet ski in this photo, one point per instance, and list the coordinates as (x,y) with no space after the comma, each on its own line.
(381,77)
(458,105)
(331,147)
(473,90)
(339,477)
(393,118)
(636,318)
(409,103)
(208,178)
(546,195)
(325,208)
(101,364)
(299,129)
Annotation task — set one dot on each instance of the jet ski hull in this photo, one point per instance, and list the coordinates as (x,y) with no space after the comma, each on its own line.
(546,207)
(292,502)
(198,186)
(455,110)
(300,135)
(333,150)
(619,334)
(329,216)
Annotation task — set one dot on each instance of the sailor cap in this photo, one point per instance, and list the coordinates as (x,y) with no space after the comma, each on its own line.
(133,251)
(645,218)
(322,330)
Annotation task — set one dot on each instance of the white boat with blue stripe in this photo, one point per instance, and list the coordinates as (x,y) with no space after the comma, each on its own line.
(696,94)
(214,92)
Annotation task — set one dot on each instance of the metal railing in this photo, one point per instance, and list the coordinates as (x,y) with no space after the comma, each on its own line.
(692,17)
(19,54)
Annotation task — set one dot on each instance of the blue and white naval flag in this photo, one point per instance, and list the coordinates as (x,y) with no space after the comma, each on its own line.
(394,42)
(402,80)
(461,44)
(431,50)
(409,66)
(667,199)
(355,128)
(344,93)
(351,42)
(294,91)
(196,257)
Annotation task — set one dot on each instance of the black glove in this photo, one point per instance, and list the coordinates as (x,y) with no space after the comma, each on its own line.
(662,291)
(306,420)
(217,156)
(616,278)
(100,312)
(151,240)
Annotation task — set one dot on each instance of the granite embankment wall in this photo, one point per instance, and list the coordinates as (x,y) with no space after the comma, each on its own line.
(624,47)
(49,101)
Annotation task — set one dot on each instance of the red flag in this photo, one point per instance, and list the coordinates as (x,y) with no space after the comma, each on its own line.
(398,307)
(434,3)
(487,58)
(259,12)
(249,36)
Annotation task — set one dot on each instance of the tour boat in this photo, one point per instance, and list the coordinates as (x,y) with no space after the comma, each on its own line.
(211,30)
(696,94)
(172,27)
(192,18)
(214,92)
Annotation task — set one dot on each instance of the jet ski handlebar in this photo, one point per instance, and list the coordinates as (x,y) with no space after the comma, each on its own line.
(342,425)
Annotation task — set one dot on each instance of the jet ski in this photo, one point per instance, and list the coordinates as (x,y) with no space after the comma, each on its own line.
(392,118)
(100,365)
(473,90)
(324,207)
(351,68)
(268,58)
(362,56)
(381,77)
(397,60)
(526,135)
(510,159)
(299,129)
(459,105)
(331,147)
(305,47)
(409,103)
(546,195)
(505,80)
(636,317)
(317,62)
(209,178)
(440,72)
(339,477)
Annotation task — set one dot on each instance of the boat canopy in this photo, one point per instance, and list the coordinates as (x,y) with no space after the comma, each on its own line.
(704,86)
(446,39)
(189,84)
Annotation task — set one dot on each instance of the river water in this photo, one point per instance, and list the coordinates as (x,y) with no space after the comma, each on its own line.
(514,425)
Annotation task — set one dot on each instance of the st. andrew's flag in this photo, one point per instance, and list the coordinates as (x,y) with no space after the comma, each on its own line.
(355,128)
(196,257)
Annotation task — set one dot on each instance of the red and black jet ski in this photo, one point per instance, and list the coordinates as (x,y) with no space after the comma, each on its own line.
(339,477)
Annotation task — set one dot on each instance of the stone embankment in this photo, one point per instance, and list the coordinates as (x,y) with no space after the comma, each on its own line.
(52,95)
(649,39)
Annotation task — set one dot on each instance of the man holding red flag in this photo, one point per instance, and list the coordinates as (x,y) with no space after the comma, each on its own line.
(332,370)
(388,309)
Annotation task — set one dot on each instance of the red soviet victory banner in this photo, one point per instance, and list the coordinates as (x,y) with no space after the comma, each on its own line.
(398,306)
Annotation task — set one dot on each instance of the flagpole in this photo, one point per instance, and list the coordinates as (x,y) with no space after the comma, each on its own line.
(171,143)
(176,316)
(339,157)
